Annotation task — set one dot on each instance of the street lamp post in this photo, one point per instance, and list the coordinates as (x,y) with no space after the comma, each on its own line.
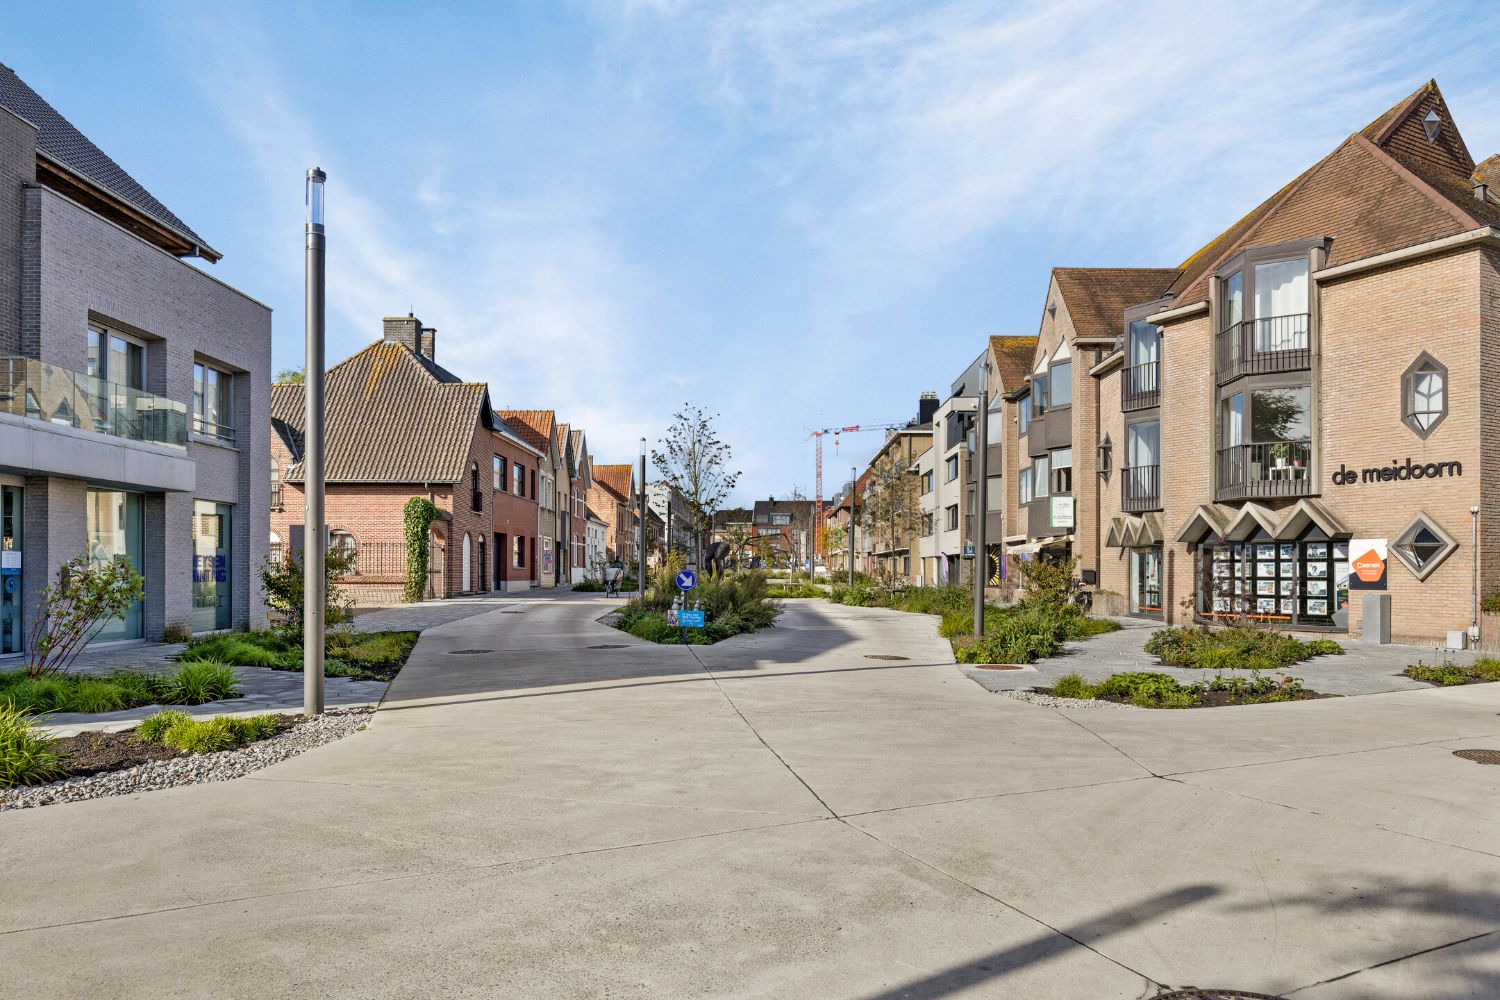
(642,573)
(853,510)
(1474,581)
(315,537)
(982,472)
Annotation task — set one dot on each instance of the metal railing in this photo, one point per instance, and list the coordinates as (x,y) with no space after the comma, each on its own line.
(1266,469)
(1140,488)
(47,393)
(385,560)
(209,428)
(1140,386)
(1258,346)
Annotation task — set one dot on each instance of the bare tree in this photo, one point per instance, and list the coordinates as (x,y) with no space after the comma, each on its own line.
(890,510)
(695,462)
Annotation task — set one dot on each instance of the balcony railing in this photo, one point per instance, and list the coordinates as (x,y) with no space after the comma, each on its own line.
(1266,469)
(1140,488)
(44,392)
(1259,346)
(1140,386)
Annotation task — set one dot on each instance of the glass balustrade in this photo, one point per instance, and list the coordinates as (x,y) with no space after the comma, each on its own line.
(45,392)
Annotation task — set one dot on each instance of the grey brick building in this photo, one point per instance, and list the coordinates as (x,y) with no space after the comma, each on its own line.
(134,391)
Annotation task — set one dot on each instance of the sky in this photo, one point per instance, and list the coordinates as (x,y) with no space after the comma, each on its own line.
(796,214)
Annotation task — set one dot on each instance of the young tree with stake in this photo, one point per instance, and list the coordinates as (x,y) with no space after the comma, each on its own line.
(695,462)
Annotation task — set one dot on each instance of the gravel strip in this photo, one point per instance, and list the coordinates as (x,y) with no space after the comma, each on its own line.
(192,770)
(1052,701)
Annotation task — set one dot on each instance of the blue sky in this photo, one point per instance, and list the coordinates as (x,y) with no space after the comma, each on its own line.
(799,214)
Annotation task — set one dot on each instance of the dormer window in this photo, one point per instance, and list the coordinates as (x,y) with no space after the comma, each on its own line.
(1432,124)
(1264,312)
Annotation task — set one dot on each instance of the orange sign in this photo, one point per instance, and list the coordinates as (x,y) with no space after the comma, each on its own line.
(1368,562)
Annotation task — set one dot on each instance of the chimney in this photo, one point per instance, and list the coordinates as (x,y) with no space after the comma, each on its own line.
(406,330)
(429,342)
(927,406)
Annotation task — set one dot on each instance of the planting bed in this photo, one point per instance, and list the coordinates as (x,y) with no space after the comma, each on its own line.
(1154,690)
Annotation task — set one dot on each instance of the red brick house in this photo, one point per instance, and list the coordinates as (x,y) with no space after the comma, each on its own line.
(580,480)
(513,468)
(612,498)
(399,425)
(540,429)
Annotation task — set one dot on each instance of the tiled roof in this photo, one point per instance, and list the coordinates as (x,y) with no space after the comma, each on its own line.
(1013,357)
(535,427)
(60,142)
(390,419)
(1097,297)
(616,479)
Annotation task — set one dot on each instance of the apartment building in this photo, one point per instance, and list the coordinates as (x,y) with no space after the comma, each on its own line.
(945,496)
(1009,360)
(1292,421)
(134,411)
(893,517)
(781,533)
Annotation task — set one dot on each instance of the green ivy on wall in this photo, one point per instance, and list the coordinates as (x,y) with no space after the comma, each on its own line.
(418,515)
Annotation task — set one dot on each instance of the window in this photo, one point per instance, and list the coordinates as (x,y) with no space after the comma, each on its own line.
(1062,471)
(927,482)
(497,474)
(476,498)
(1040,475)
(518,557)
(1232,420)
(1143,359)
(213,586)
(1234,300)
(116,358)
(1281,305)
(1023,412)
(1281,414)
(992,427)
(342,544)
(1432,124)
(520,477)
(273,550)
(953,517)
(994,494)
(952,468)
(275,485)
(1023,486)
(1038,395)
(926,525)
(1143,444)
(1424,391)
(1061,380)
(781,519)
(533,484)
(114,523)
(213,402)
(1423,546)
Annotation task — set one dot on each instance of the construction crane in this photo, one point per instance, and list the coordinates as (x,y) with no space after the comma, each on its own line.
(818,436)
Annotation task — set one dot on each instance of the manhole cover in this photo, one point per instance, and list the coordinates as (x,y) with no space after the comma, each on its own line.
(468,652)
(610,645)
(885,656)
(1479,756)
(1197,994)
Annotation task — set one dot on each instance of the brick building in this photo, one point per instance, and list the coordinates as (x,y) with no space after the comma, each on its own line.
(580,479)
(613,498)
(541,430)
(399,425)
(1304,395)
(134,404)
(514,518)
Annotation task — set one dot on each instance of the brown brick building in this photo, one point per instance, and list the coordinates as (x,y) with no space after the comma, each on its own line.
(1310,387)
(612,497)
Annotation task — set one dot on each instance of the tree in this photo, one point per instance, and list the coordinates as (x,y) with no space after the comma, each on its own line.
(890,512)
(695,462)
(88,593)
(738,537)
(293,376)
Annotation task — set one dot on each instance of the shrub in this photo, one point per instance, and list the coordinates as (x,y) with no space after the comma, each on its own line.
(177,633)
(1491,604)
(1323,647)
(95,695)
(795,590)
(178,730)
(154,727)
(26,754)
(935,600)
(1148,690)
(282,582)
(731,605)
(1446,675)
(1072,686)
(200,682)
(35,694)
(246,649)
(1234,648)
(588,587)
(86,594)
(1486,668)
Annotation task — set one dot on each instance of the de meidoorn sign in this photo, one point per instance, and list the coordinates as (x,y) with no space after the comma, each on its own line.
(1396,472)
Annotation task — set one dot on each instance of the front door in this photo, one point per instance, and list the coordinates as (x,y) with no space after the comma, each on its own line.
(12,638)
(211,570)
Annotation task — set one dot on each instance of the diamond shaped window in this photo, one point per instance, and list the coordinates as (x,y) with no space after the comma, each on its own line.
(1423,546)
(1433,125)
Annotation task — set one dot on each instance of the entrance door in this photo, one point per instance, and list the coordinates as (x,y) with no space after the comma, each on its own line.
(212,574)
(115,532)
(1145,582)
(12,638)
(502,548)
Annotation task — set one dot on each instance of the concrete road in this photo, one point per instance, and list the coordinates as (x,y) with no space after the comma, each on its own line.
(545,807)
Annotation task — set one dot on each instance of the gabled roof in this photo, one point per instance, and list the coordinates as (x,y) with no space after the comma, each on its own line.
(1097,297)
(1012,361)
(537,428)
(618,480)
(62,145)
(1384,188)
(390,419)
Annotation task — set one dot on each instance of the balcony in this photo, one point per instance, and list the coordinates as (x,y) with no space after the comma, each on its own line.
(1262,346)
(1266,469)
(1140,488)
(39,391)
(1140,386)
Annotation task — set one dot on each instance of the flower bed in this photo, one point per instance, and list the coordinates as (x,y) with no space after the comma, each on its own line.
(365,656)
(1154,690)
(194,683)
(1235,648)
(1481,671)
(731,605)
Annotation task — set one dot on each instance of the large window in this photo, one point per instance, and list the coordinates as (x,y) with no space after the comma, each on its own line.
(520,479)
(1424,394)
(1061,380)
(117,358)
(1040,475)
(1305,582)
(1281,305)
(1143,362)
(994,430)
(497,473)
(1143,444)
(115,532)
(213,401)
(1062,471)
(1038,395)
(213,579)
(1264,315)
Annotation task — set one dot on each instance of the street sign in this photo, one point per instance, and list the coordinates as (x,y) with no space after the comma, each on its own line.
(686,579)
(690,619)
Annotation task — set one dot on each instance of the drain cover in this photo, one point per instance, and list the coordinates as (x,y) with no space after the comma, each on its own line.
(885,656)
(1192,993)
(1479,756)
(610,645)
(518,611)
(468,652)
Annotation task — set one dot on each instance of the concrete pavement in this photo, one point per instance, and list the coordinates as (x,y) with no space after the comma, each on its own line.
(826,809)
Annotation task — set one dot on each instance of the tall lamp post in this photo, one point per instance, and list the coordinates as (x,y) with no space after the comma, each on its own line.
(642,573)
(853,510)
(315,538)
(1474,581)
(982,473)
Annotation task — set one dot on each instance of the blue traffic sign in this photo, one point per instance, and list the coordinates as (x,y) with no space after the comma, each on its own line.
(690,619)
(686,579)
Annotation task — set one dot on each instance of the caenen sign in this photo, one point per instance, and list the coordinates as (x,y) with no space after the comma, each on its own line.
(1396,472)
